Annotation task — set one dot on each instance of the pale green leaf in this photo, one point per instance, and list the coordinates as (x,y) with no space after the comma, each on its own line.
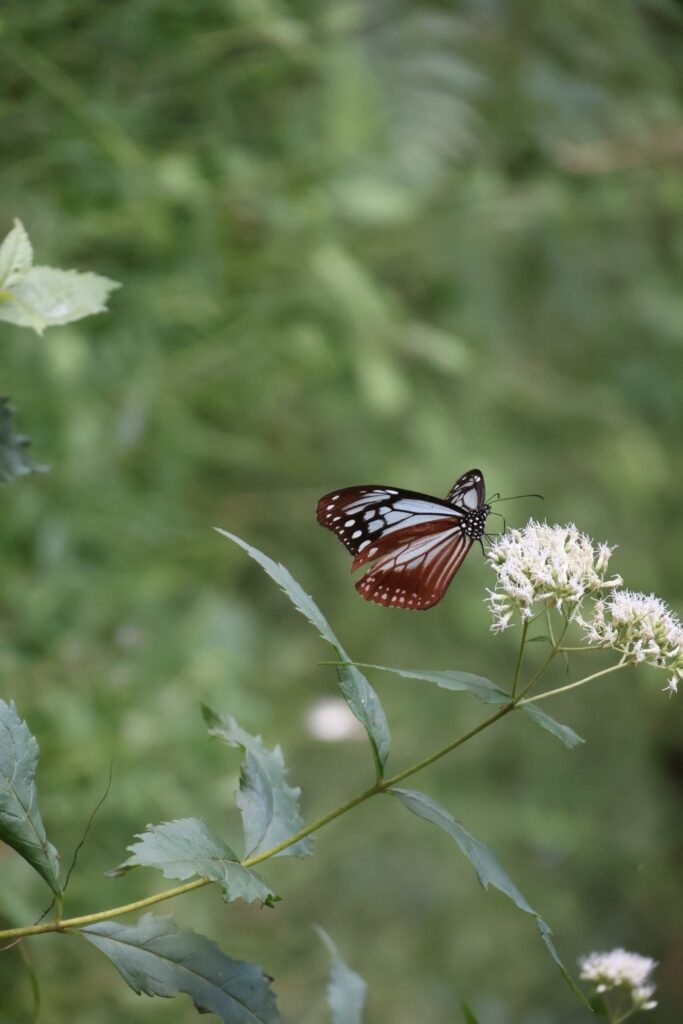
(158,959)
(186,848)
(21,825)
(16,256)
(346,991)
(489,871)
(46,297)
(357,691)
(268,805)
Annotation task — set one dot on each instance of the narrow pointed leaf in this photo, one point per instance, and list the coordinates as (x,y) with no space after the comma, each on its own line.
(16,256)
(468,1014)
(268,805)
(481,687)
(357,691)
(489,871)
(186,848)
(158,959)
(563,732)
(486,691)
(346,991)
(21,825)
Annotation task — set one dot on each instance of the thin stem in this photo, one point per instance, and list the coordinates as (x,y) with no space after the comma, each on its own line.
(572,686)
(103,915)
(167,894)
(33,981)
(388,783)
(551,656)
(550,625)
(309,829)
(520,656)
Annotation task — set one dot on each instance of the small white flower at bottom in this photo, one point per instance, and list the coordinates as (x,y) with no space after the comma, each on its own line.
(330,720)
(619,969)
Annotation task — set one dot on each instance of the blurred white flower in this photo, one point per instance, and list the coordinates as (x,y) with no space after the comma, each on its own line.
(619,969)
(642,628)
(330,720)
(542,563)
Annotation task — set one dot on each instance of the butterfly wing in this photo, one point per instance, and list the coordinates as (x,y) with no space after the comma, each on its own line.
(415,574)
(373,517)
(468,492)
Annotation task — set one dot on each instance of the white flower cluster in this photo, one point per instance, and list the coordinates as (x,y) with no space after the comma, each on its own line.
(641,628)
(620,969)
(540,564)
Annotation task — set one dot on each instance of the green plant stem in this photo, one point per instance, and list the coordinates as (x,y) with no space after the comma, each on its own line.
(572,686)
(167,894)
(33,981)
(550,625)
(520,656)
(554,651)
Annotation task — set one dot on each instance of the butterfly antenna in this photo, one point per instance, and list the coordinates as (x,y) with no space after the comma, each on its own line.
(514,497)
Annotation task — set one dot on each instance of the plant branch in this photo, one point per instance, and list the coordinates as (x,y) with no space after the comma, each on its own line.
(572,686)
(167,894)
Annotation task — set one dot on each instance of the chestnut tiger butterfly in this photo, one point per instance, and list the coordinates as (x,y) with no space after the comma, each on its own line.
(417,542)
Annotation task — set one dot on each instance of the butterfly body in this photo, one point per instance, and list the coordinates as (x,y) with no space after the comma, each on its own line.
(417,542)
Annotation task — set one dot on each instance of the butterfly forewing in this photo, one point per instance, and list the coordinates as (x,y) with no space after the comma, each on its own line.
(362,515)
(417,542)
(468,491)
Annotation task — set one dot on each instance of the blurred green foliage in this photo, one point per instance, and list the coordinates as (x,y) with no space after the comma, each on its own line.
(358,242)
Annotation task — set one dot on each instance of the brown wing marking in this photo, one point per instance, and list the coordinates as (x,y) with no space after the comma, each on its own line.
(417,574)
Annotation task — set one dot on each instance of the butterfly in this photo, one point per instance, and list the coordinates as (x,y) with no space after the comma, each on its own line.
(417,542)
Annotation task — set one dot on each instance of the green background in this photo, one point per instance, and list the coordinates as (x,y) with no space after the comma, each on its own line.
(378,242)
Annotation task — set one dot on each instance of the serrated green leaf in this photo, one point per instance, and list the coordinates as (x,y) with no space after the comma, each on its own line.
(46,297)
(489,871)
(468,1014)
(346,991)
(487,691)
(158,959)
(268,805)
(186,848)
(14,460)
(21,825)
(16,256)
(357,691)
(563,732)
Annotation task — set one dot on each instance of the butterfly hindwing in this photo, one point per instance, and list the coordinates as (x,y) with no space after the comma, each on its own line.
(417,574)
